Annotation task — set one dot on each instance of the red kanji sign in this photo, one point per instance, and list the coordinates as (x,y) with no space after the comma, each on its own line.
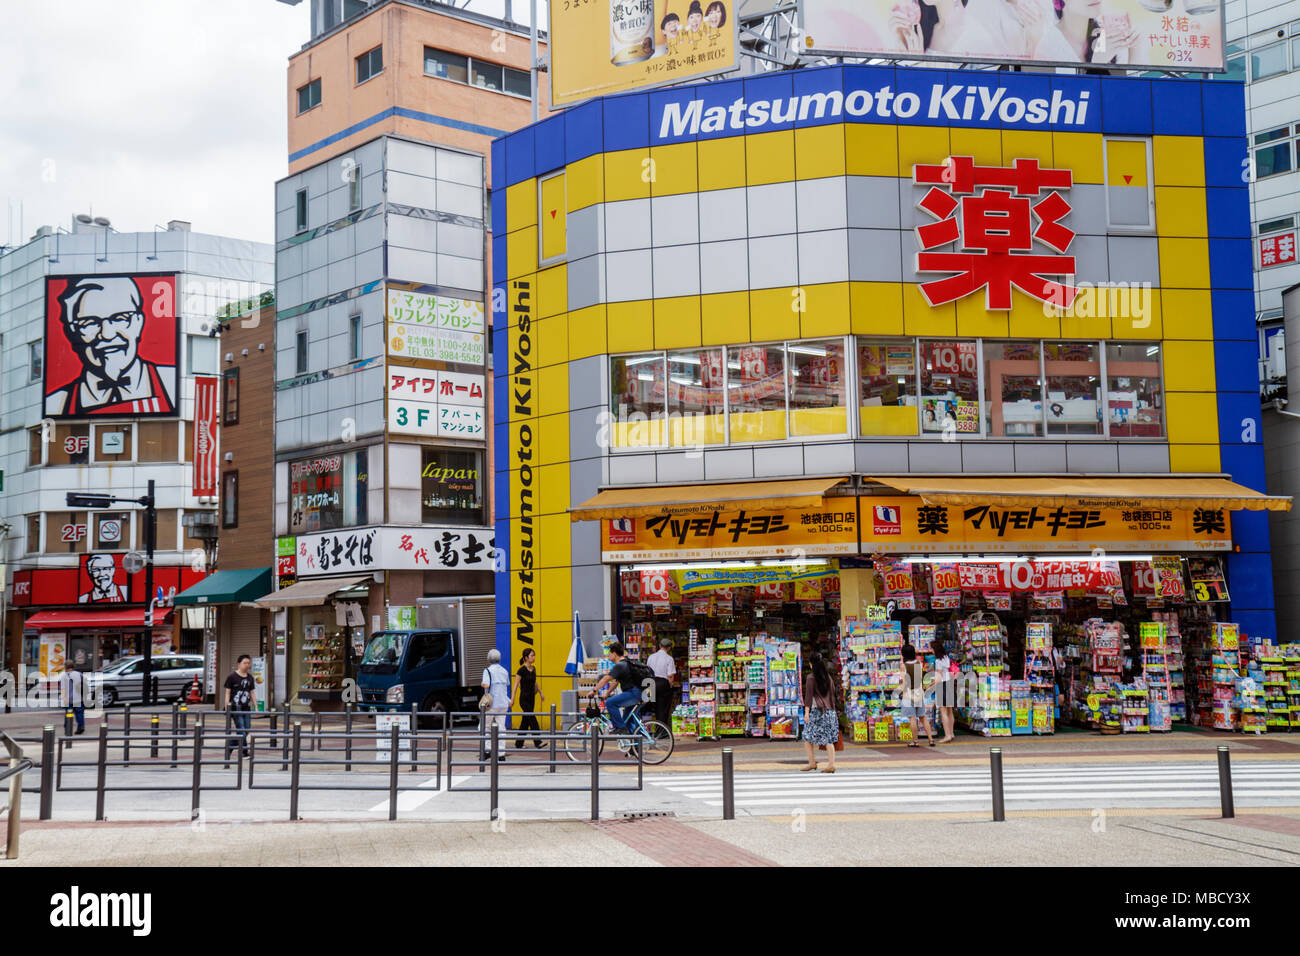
(1275,250)
(995,230)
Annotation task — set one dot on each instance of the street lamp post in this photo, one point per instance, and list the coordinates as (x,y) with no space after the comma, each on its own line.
(150,539)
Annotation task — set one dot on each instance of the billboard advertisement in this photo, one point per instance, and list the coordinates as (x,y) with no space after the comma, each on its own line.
(111,346)
(435,328)
(610,46)
(205,435)
(1148,34)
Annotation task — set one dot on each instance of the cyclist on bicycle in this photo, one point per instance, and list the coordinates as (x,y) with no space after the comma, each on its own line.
(622,705)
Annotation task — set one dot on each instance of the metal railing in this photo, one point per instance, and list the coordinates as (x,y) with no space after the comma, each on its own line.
(13,773)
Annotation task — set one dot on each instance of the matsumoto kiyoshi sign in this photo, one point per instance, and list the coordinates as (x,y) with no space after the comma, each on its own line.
(973,103)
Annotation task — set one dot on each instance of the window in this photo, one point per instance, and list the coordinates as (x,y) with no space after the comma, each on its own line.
(446,66)
(300,353)
(949,387)
(695,405)
(230,397)
(1273,152)
(328,491)
(451,486)
(1277,225)
(33,543)
(1235,69)
(301,205)
(756,392)
(486,75)
(637,400)
(309,96)
(201,354)
(518,82)
(1130,200)
(35,446)
(1013,388)
(354,188)
(158,441)
(427,649)
(112,530)
(887,386)
(165,530)
(230,499)
(370,63)
(71,445)
(66,532)
(111,443)
(818,388)
(1073,402)
(1134,395)
(1268,61)
(35,361)
(354,336)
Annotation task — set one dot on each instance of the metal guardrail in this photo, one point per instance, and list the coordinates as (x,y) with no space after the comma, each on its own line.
(13,773)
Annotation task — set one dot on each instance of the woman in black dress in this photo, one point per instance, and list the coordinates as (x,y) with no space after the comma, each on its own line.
(528,693)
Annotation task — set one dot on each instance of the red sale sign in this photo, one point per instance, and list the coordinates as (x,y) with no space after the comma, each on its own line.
(205,434)
(1039,575)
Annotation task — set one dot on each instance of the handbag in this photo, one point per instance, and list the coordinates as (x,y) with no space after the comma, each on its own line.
(485,702)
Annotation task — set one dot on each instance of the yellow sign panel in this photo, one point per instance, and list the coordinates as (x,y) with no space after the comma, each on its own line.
(610,46)
(908,524)
(733,534)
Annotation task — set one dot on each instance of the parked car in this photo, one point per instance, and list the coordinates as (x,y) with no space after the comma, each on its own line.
(123,680)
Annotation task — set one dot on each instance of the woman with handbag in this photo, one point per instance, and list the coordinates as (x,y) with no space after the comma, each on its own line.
(914,695)
(822,727)
(945,687)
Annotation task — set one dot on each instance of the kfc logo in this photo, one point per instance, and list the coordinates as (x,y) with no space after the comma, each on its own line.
(622,531)
(886,520)
(100,574)
(111,345)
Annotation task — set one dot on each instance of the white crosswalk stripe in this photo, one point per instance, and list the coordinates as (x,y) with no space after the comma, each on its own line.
(1029,787)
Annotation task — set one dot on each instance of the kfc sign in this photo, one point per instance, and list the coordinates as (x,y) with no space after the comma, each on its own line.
(111,346)
(1277,250)
(994,215)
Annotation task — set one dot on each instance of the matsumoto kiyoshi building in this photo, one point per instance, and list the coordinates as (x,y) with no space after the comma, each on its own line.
(885,321)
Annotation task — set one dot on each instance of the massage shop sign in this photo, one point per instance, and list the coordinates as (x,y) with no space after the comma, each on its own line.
(831,529)
(908,524)
(435,328)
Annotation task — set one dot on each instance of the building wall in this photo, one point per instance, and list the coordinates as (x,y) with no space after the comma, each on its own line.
(403,100)
(708,237)
(1282,460)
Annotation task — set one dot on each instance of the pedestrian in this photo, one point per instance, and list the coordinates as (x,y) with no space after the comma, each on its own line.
(822,727)
(622,705)
(239,701)
(527,692)
(945,688)
(914,695)
(74,695)
(496,696)
(665,669)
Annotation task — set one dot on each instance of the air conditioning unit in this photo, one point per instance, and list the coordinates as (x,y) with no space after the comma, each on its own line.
(1277,357)
(200,524)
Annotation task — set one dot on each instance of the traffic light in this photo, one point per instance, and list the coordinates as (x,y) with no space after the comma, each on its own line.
(89,501)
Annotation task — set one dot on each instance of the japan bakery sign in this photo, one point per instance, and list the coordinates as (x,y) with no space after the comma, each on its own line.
(398,549)
(435,328)
(734,534)
(435,404)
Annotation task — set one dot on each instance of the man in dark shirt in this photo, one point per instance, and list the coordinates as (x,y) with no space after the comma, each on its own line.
(239,701)
(621,705)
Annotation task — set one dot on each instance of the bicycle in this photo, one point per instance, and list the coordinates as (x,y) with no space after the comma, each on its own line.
(653,739)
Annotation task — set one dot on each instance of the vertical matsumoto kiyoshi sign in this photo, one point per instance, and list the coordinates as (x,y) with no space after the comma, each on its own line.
(522,409)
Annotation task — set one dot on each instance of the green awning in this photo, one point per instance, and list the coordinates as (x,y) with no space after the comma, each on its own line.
(228,587)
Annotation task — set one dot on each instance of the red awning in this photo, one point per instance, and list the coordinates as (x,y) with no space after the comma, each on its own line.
(126,618)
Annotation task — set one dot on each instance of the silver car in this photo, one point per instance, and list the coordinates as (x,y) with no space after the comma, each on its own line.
(123,680)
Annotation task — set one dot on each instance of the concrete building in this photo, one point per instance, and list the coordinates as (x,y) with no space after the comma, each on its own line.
(106,336)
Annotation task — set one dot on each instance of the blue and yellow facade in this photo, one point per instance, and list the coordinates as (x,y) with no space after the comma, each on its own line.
(782,208)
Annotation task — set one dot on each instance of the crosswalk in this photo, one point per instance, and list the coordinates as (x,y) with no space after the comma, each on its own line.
(1030,787)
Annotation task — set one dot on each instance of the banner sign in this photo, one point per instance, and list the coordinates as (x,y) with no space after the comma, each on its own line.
(435,328)
(600,48)
(709,579)
(1038,575)
(914,526)
(1138,34)
(435,404)
(1167,578)
(733,534)
(1208,583)
(206,402)
(397,549)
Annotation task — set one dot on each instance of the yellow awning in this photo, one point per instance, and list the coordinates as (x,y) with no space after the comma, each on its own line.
(654,500)
(1117,492)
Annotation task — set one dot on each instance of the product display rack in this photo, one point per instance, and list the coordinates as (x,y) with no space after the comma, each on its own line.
(1225,662)
(1291,654)
(1156,654)
(1273,672)
(984,653)
(750,655)
(702,664)
(1041,677)
(784,689)
(1097,698)
(871,660)
(732,690)
(322,660)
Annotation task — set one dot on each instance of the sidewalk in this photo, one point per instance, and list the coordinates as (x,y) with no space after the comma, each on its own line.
(1078,839)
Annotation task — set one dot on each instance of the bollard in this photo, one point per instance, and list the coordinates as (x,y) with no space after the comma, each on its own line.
(284,755)
(1225,783)
(392,772)
(67,725)
(198,770)
(175,742)
(347,740)
(595,770)
(995,767)
(415,738)
(494,774)
(153,736)
(551,768)
(101,771)
(728,784)
(184,712)
(126,732)
(47,772)
(295,766)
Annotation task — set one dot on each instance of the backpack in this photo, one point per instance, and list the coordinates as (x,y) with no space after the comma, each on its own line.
(639,673)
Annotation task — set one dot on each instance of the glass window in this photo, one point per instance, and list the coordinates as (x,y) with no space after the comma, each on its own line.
(756,392)
(309,96)
(66,532)
(159,441)
(427,649)
(230,397)
(637,401)
(71,445)
(1134,395)
(519,82)
(230,499)
(1275,225)
(451,487)
(887,386)
(370,63)
(300,352)
(446,66)
(202,354)
(1236,70)
(949,387)
(1268,61)
(1274,153)
(486,75)
(301,200)
(354,188)
(328,492)
(1013,388)
(33,543)
(112,530)
(35,446)
(354,336)
(35,361)
(818,388)
(1073,388)
(1269,136)
(1130,202)
(695,398)
(111,443)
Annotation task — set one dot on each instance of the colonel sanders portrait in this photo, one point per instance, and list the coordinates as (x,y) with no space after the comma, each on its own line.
(101,569)
(103,319)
